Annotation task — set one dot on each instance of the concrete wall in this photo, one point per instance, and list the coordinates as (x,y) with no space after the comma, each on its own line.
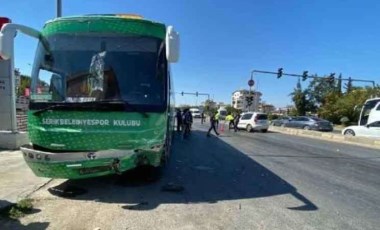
(13,141)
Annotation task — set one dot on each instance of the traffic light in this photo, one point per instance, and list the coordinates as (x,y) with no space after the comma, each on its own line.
(304,75)
(182,93)
(279,73)
(249,100)
(196,94)
(331,78)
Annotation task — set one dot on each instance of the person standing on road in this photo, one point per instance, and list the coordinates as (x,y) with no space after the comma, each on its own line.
(187,118)
(217,115)
(213,123)
(179,120)
(230,119)
(202,117)
(236,121)
(191,119)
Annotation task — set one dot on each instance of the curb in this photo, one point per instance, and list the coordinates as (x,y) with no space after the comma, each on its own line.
(361,141)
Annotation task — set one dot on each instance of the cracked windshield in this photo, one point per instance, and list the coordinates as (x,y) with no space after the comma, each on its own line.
(195,114)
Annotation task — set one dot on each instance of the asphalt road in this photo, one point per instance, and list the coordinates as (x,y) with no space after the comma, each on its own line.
(235,181)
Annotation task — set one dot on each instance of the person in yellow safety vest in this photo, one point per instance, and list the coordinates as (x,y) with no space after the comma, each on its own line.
(217,119)
(230,118)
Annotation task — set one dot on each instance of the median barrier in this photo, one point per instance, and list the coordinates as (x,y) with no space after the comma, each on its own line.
(362,141)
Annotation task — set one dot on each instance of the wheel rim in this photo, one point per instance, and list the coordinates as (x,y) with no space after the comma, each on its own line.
(307,127)
(249,128)
(349,133)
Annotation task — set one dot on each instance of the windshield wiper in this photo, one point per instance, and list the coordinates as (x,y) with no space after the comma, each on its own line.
(119,101)
(91,104)
(65,106)
(52,107)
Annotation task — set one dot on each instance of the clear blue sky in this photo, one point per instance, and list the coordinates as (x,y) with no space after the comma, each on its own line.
(222,41)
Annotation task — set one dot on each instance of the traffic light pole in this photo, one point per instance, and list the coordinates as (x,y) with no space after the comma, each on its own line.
(196,94)
(298,75)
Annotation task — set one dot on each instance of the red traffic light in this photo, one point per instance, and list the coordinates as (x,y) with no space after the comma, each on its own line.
(4,20)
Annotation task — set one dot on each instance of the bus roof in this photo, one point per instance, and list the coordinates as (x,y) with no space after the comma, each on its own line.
(111,23)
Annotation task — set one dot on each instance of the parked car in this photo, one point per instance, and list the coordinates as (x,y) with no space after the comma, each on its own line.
(310,123)
(281,121)
(369,130)
(254,121)
(195,113)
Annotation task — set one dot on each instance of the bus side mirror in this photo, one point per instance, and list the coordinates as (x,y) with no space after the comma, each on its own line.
(6,44)
(7,35)
(172,45)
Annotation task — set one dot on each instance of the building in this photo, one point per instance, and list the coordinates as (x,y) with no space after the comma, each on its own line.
(266,108)
(239,100)
(284,110)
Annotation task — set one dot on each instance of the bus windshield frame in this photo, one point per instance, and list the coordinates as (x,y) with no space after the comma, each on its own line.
(80,68)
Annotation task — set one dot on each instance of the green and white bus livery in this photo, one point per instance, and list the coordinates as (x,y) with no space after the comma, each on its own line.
(102,100)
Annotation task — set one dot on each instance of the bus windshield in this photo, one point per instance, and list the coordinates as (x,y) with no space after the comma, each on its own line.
(88,67)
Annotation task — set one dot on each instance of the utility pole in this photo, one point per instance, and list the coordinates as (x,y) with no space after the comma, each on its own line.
(249,98)
(59,8)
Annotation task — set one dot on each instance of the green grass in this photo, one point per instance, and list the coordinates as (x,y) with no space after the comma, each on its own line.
(18,210)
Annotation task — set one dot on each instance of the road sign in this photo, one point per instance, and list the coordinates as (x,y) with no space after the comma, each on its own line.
(251,83)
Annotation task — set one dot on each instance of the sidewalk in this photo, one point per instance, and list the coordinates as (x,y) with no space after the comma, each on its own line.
(17,181)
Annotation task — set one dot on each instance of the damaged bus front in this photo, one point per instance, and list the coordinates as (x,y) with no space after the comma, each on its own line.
(101,96)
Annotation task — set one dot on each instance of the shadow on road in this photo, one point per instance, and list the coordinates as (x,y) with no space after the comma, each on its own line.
(208,169)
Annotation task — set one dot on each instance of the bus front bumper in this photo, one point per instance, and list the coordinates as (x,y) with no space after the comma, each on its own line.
(77,165)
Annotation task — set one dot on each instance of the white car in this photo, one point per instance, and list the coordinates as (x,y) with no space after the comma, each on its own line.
(195,113)
(254,121)
(369,130)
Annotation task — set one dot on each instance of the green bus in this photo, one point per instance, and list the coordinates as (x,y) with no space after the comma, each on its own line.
(102,97)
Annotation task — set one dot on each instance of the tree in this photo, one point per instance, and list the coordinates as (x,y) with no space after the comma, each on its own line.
(231,110)
(318,89)
(348,85)
(330,110)
(25,82)
(338,106)
(299,99)
(339,85)
(210,106)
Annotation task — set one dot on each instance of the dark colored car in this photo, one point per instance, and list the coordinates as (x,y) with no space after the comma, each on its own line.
(281,121)
(310,123)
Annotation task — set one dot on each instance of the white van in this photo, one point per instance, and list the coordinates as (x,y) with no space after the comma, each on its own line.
(195,113)
(222,113)
(254,121)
